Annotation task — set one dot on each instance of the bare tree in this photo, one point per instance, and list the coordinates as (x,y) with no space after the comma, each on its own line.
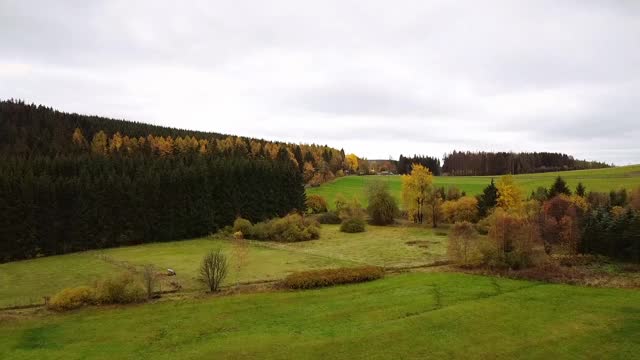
(213,269)
(150,279)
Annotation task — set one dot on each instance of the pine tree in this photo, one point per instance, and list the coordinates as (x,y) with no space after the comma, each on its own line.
(559,187)
(488,199)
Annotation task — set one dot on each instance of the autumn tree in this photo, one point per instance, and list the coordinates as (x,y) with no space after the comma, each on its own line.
(417,189)
(514,239)
(560,224)
(79,140)
(509,195)
(352,162)
(99,143)
(462,247)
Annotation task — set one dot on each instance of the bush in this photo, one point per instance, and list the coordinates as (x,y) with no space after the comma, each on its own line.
(213,269)
(122,289)
(463,209)
(72,298)
(242,225)
(382,207)
(463,246)
(353,225)
(330,217)
(321,278)
(316,204)
(290,228)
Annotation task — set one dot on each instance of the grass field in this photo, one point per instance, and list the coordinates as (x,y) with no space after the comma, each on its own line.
(26,282)
(409,316)
(594,180)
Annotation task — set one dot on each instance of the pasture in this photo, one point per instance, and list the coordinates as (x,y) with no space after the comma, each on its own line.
(27,282)
(419,315)
(594,180)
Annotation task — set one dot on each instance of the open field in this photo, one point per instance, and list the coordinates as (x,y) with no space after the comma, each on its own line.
(421,315)
(594,180)
(26,282)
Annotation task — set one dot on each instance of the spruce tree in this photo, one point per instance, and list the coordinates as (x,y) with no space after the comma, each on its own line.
(559,187)
(488,199)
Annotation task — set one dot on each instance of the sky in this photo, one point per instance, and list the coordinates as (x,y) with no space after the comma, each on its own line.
(377,78)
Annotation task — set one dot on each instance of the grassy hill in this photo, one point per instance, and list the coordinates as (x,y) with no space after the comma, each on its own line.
(594,180)
(410,316)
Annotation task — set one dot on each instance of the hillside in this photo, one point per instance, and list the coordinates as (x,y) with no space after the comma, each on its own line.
(602,180)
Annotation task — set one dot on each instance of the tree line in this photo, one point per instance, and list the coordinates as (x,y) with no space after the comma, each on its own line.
(500,163)
(405,163)
(28,130)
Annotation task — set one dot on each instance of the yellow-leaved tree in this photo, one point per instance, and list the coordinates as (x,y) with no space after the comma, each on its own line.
(352,162)
(509,194)
(417,187)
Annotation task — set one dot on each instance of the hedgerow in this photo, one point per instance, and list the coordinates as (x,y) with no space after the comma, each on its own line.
(328,277)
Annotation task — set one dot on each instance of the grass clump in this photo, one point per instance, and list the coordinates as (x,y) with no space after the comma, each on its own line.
(329,277)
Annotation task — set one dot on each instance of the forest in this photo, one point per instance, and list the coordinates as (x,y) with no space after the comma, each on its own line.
(70,182)
(500,163)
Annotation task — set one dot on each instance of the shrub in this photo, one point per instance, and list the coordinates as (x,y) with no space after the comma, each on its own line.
(290,228)
(350,209)
(242,225)
(463,209)
(330,217)
(576,259)
(453,193)
(316,204)
(261,231)
(121,289)
(382,207)
(213,269)
(321,278)
(463,247)
(72,298)
(353,225)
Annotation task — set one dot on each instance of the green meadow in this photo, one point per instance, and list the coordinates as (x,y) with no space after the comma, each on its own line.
(27,282)
(594,180)
(409,316)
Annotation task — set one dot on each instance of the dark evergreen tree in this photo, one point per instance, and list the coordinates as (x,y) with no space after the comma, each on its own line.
(581,190)
(488,199)
(559,187)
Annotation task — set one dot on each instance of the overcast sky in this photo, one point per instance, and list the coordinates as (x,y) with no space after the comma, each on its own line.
(378,78)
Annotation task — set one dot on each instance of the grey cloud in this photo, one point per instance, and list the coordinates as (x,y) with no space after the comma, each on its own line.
(411,77)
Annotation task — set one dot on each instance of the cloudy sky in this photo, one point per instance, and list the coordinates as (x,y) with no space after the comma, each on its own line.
(378,78)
